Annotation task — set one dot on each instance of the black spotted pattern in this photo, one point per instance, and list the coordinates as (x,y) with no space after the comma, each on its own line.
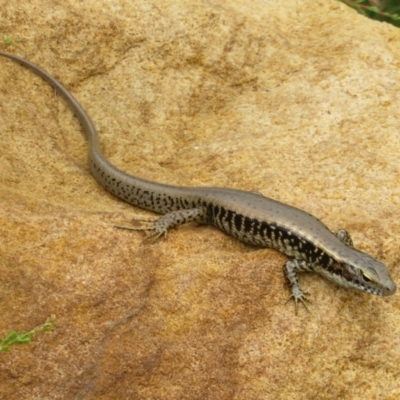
(246,229)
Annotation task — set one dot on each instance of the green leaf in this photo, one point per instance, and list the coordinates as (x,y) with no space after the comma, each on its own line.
(14,337)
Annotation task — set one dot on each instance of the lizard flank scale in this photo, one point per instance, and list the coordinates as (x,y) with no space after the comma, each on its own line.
(249,217)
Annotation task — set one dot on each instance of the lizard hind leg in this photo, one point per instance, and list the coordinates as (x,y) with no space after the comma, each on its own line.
(161,225)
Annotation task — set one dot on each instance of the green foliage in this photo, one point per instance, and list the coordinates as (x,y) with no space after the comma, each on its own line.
(25,337)
(381,10)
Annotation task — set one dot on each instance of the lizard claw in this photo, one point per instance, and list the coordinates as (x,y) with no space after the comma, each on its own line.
(299,297)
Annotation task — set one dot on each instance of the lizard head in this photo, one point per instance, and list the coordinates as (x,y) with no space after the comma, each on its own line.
(360,271)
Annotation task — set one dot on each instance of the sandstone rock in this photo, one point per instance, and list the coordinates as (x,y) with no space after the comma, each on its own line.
(299,101)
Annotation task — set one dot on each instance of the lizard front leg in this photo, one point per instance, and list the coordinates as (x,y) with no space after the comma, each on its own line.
(290,269)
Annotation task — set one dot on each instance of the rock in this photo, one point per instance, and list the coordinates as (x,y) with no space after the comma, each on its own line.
(299,102)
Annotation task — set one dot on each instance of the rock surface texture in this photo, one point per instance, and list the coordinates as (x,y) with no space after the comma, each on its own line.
(298,100)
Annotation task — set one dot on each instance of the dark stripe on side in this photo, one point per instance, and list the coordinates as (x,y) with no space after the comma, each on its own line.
(247,224)
(265,232)
(222,214)
(238,221)
(229,219)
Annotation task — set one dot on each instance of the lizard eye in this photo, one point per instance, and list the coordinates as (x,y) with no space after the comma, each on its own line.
(365,277)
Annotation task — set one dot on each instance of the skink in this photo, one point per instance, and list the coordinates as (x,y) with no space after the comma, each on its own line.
(249,217)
